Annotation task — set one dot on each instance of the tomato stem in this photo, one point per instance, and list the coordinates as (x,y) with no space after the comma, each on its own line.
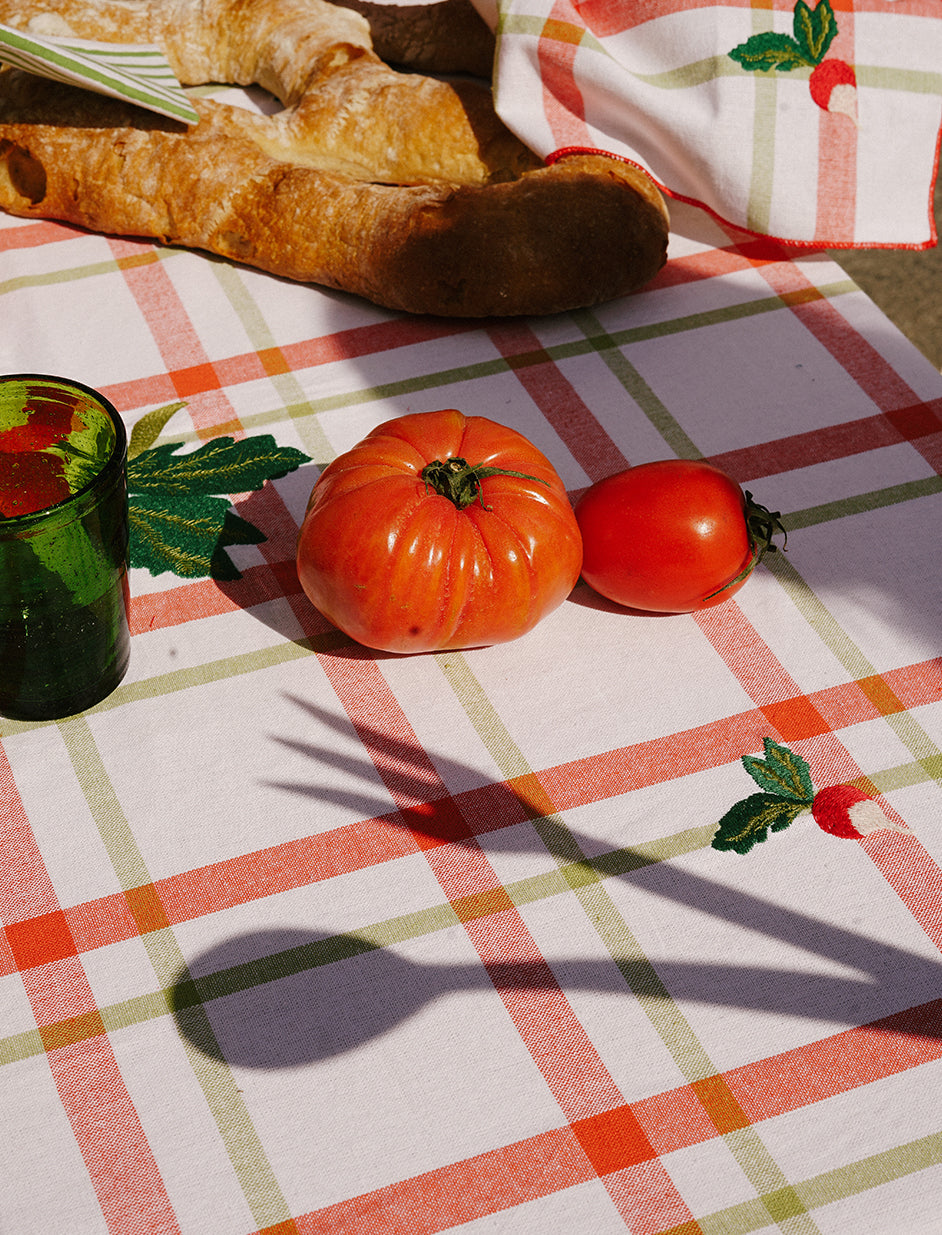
(763,525)
(460,481)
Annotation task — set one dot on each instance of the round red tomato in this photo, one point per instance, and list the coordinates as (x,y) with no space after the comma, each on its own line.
(438,531)
(671,536)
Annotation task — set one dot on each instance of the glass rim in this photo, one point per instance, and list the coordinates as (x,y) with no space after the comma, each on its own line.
(110,470)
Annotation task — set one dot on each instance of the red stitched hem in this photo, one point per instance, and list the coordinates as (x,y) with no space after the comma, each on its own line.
(813,245)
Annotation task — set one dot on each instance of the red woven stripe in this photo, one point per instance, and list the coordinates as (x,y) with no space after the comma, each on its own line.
(461,1191)
(103,1119)
(785,454)
(837,151)
(32,235)
(112,1142)
(562,101)
(25,889)
(874,374)
(557,399)
(840,1063)
(189,380)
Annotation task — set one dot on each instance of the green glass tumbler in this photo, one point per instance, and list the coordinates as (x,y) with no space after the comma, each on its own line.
(64,639)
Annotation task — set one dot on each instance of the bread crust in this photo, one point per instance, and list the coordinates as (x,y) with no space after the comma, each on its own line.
(398,187)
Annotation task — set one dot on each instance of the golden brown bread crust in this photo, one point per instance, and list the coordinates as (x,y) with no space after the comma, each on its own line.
(396,187)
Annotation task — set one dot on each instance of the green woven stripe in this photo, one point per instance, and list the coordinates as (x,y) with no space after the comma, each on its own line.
(825,1189)
(765,85)
(870,1172)
(637,388)
(262,338)
(200,675)
(696,73)
(907,774)
(842,647)
(222,1095)
(50,279)
(859,503)
(912,81)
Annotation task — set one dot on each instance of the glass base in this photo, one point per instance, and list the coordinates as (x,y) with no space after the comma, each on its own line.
(64,705)
(56,664)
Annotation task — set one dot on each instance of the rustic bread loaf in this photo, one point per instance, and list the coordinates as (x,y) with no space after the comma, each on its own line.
(401,188)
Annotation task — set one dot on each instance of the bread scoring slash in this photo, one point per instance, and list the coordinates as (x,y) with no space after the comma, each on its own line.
(402,188)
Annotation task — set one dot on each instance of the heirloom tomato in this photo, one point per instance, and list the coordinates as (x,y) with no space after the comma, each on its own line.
(437,531)
(672,536)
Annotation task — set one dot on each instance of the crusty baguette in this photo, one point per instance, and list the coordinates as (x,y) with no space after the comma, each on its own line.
(398,187)
(442,36)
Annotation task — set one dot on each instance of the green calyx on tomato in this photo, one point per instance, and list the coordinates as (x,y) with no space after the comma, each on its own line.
(460,482)
(763,524)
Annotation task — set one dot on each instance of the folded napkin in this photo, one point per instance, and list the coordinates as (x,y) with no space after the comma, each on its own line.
(139,73)
(815,124)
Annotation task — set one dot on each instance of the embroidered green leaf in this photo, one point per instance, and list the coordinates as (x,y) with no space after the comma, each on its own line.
(770,51)
(181,515)
(751,820)
(188,536)
(782,772)
(814,29)
(149,428)
(220,466)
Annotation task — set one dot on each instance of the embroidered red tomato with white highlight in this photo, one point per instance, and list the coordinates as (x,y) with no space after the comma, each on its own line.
(833,86)
(672,536)
(845,810)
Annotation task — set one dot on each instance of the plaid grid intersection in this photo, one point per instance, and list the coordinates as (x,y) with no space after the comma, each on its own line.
(300,938)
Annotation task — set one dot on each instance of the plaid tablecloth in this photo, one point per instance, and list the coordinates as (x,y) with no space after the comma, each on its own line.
(303,938)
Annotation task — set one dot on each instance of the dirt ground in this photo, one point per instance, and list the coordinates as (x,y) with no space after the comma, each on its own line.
(907,286)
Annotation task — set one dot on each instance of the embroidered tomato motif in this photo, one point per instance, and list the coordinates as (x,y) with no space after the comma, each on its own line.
(833,86)
(845,810)
(788,792)
(833,82)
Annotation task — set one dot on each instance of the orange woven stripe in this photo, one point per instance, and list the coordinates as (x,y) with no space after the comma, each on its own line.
(796,718)
(72,1029)
(613,1140)
(725,1112)
(41,940)
(146,907)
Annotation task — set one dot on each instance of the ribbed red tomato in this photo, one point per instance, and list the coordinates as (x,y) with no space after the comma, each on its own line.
(438,531)
(671,536)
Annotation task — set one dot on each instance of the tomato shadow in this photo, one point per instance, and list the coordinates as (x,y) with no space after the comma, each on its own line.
(283,998)
(269,589)
(588,598)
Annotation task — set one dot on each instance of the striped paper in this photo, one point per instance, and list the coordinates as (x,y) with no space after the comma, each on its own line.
(138,73)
